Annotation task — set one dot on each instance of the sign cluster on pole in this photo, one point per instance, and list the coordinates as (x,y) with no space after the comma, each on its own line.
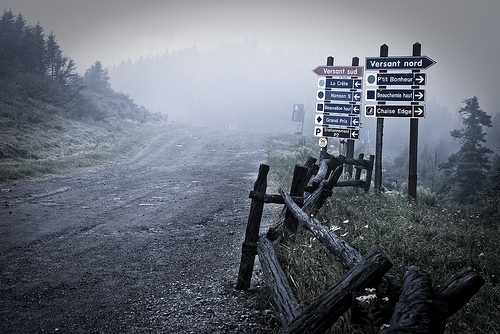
(339,101)
(393,88)
(377,83)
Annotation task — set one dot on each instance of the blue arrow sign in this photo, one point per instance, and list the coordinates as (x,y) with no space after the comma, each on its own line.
(335,120)
(411,95)
(338,108)
(331,95)
(340,83)
(410,111)
(396,79)
(320,131)
(399,63)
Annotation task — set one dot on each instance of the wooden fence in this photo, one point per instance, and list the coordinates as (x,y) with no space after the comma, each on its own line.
(412,307)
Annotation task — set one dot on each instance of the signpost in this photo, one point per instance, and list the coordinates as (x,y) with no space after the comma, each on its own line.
(410,95)
(396,79)
(337,120)
(341,133)
(399,63)
(339,95)
(346,96)
(340,83)
(339,71)
(338,108)
(408,111)
(389,75)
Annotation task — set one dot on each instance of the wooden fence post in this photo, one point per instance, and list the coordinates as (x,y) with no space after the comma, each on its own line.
(249,248)
(298,184)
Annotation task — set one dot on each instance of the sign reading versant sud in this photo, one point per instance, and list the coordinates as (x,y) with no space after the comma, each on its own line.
(339,101)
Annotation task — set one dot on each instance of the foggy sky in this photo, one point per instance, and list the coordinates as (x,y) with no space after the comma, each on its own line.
(460,35)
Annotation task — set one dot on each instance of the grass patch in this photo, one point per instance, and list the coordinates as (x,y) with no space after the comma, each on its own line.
(440,238)
(60,146)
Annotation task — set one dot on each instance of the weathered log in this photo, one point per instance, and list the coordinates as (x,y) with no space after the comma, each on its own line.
(352,183)
(275,199)
(297,189)
(316,200)
(327,308)
(412,311)
(347,255)
(459,289)
(252,232)
(312,167)
(286,303)
(321,175)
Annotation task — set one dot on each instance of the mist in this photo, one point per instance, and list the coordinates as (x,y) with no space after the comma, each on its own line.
(242,87)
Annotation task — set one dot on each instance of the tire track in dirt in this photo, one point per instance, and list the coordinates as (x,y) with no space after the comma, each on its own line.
(151,245)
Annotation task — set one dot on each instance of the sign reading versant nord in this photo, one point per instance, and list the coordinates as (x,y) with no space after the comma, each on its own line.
(399,63)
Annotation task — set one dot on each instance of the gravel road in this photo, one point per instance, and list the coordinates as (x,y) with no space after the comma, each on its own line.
(151,245)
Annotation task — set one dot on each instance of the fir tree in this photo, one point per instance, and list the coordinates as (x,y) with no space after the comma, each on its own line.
(468,168)
(96,78)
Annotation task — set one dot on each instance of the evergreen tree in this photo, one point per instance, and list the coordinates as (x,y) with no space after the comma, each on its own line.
(96,78)
(10,39)
(468,168)
(53,56)
(34,49)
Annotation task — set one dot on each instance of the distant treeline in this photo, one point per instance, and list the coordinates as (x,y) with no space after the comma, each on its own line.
(37,77)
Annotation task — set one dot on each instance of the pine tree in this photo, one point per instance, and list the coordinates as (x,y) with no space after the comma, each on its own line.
(96,78)
(468,168)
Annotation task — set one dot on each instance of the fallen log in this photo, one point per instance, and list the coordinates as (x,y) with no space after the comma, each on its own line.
(459,289)
(316,200)
(327,308)
(412,313)
(347,255)
(284,299)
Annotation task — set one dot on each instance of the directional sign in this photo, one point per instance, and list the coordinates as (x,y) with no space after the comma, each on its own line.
(396,79)
(411,111)
(320,131)
(399,63)
(340,83)
(339,71)
(338,108)
(331,95)
(337,120)
(396,95)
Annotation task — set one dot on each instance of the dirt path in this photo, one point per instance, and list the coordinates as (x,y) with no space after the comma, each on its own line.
(148,246)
